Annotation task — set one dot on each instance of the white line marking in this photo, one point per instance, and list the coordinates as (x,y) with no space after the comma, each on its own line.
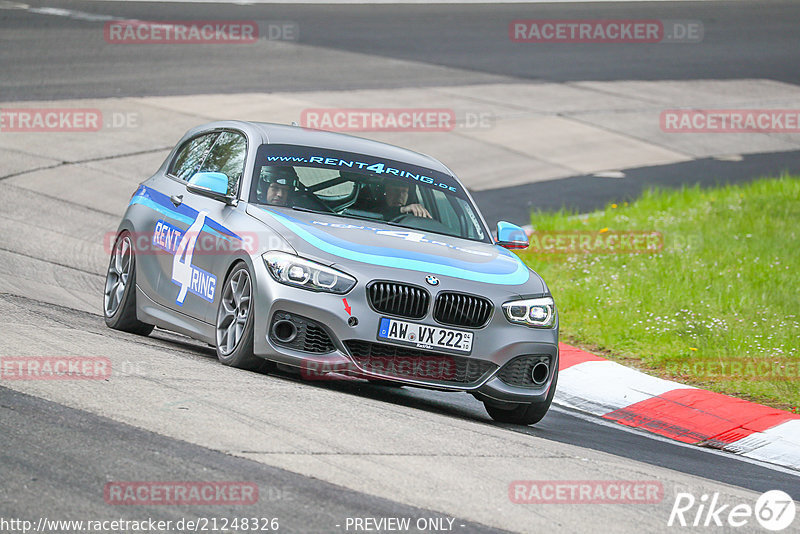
(78,15)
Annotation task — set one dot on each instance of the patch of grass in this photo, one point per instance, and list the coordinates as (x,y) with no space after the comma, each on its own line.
(716,307)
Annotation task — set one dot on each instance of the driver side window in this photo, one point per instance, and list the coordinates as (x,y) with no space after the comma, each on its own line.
(191,156)
(227,156)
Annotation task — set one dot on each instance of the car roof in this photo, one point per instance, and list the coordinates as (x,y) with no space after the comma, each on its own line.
(281,134)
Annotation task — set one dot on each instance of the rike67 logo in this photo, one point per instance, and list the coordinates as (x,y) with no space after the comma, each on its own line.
(774,510)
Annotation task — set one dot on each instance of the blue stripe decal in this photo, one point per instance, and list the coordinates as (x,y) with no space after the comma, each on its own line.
(155,200)
(505,269)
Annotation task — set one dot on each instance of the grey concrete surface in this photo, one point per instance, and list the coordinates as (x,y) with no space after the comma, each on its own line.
(595,129)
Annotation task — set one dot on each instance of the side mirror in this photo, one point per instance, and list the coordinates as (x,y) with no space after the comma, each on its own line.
(211,184)
(511,236)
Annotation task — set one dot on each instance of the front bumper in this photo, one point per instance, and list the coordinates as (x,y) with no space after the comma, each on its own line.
(479,372)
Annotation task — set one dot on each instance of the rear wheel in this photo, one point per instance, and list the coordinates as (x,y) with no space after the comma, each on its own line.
(119,297)
(235,317)
(523,414)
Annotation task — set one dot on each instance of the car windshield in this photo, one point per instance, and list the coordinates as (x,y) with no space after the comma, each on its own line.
(363,187)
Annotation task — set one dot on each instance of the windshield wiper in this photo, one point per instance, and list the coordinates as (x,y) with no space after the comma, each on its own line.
(369,219)
(308,210)
(342,215)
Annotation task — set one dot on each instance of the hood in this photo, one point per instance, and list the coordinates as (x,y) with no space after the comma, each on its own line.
(337,240)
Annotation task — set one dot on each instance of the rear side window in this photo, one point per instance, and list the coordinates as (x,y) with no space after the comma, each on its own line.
(227,156)
(191,156)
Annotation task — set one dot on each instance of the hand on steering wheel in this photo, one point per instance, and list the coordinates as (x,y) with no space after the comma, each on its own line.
(417,210)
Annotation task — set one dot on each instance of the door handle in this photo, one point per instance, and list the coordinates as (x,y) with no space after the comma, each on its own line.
(177,200)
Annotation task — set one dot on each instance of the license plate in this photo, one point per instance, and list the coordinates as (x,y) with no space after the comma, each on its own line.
(425,336)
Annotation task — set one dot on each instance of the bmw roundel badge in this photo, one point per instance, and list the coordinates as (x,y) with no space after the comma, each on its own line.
(432,280)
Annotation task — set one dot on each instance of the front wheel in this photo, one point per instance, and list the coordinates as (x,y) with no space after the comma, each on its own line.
(119,296)
(234,327)
(523,414)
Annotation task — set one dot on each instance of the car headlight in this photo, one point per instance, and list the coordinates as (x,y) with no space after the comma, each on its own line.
(300,272)
(538,312)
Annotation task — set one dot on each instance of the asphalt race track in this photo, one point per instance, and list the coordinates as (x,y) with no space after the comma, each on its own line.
(319,452)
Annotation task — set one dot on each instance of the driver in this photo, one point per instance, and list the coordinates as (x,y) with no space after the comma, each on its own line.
(282,181)
(395,196)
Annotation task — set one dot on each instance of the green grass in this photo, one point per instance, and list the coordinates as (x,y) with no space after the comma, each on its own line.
(716,307)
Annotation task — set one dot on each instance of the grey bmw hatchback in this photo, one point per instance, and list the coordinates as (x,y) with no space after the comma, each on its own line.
(334,257)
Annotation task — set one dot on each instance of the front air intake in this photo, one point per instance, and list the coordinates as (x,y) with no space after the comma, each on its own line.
(402,300)
(460,309)
(299,333)
(418,365)
(526,371)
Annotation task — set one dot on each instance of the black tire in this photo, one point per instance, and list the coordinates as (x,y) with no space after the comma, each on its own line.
(119,306)
(240,354)
(523,414)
